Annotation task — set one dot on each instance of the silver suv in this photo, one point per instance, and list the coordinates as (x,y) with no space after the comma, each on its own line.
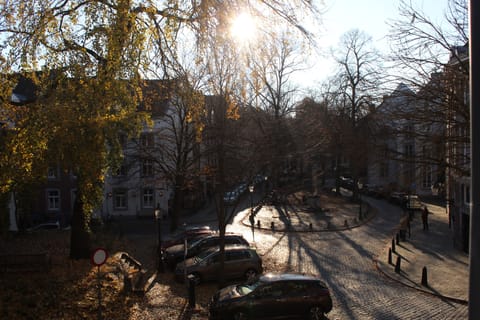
(177,253)
(240,261)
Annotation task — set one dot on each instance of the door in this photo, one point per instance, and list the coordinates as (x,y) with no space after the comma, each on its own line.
(268,302)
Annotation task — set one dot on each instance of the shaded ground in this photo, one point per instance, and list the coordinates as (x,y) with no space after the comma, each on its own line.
(70,291)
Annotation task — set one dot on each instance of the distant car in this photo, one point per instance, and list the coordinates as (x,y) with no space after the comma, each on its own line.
(177,253)
(397,198)
(273,296)
(412,202)
(241,188)
(240,262)
(47,226)
(346,182)
(190,234)
(230,197)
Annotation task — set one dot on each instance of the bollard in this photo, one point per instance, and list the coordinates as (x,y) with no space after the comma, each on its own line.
(389,256)
(424,277)
(393,245)
(345,224)
(258,224)
(191,291)
(272,226)
(397,265)
(310,226)
(397,238)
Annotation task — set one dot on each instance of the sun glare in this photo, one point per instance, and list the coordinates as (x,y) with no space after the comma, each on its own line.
(243,28)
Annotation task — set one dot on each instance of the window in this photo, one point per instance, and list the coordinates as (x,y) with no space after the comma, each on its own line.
(148,198)
(53,199)
(384,170)
(462,192)
(121,171)
(467,194)
(147,168)
(52,173)
(120,199)
(146,140)
(427,176)
(237,255)
(122,139)
(408,150)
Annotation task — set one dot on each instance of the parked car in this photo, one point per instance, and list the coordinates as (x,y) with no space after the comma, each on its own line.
(278,296)
(230,197)
(241,188)
(47,226)
(177,253)
(397,198)
(412,202)
(189,234)
(240,261)
(346,182)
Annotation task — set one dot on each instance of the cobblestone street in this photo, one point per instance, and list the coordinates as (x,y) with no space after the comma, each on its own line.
(345,259)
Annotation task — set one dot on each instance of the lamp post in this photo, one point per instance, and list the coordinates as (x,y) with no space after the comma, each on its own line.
(158,217)
(252,218)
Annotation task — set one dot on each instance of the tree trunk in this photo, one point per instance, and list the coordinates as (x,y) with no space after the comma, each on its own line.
(80,242)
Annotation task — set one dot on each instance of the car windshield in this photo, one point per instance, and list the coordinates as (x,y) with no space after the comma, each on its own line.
(244,289)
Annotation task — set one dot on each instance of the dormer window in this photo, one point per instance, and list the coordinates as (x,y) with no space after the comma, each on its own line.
(53,173)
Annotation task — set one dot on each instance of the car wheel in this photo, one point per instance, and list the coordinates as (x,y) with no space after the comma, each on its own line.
(250,275)
(316,313)
(239,316)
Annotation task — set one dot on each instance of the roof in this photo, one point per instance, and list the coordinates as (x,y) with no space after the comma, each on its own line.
(273,277)
(24,92)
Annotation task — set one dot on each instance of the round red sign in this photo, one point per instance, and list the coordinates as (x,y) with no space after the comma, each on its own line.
(99,256)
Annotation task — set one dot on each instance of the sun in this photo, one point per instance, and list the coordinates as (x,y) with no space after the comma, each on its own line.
(243,28)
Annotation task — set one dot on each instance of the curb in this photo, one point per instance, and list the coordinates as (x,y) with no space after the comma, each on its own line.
(372,215)
(420,289)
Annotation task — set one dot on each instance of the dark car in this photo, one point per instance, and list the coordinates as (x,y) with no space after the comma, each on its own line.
(277,296)
(177,253)
(189,234)
(240,262)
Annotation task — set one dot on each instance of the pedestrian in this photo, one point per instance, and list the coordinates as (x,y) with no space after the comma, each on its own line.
(425,218)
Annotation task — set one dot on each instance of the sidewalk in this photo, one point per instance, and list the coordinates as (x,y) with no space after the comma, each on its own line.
(447,271)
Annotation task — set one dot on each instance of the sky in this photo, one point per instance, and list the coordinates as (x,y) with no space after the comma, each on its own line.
(369,16)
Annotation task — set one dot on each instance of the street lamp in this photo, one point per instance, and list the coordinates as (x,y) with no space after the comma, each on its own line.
(158,217)
(252,218)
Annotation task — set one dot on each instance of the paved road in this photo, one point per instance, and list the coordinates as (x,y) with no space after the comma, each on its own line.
(345,261)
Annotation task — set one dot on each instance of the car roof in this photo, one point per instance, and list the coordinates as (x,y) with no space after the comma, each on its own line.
(217,235)
(274,277)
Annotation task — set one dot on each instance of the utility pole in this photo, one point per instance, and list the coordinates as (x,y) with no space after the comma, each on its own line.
(474,280)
